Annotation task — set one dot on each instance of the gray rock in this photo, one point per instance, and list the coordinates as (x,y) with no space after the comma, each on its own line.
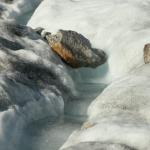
(34,83)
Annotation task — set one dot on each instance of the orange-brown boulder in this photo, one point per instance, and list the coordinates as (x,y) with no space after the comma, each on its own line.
(74,49)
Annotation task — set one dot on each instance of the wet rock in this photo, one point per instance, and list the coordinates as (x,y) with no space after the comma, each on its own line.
(147,53)
(74,49)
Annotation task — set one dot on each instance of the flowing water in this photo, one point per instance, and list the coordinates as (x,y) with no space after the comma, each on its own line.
(49,134)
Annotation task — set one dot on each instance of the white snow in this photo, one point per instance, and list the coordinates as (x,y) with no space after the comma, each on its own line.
(120,28)
(120,114)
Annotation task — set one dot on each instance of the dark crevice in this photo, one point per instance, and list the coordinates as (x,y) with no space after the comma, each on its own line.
(10,44)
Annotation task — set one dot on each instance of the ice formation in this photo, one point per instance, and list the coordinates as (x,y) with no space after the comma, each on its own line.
(73,48)
(18,10)
(34,83)
(121,29)
(120,115)
(117,119)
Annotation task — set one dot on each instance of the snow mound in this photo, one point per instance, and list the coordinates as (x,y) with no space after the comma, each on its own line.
(119,115)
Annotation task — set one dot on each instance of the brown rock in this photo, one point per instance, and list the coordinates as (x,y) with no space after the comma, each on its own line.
(64,53)
(87,125)
(74,49)
(147,53)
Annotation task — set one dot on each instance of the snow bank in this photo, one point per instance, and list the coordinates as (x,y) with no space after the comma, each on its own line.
(120,115)
(120,28)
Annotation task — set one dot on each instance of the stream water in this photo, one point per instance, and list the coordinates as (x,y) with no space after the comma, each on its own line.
(49,134)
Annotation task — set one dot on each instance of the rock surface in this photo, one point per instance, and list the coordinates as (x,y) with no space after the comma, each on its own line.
(75,49)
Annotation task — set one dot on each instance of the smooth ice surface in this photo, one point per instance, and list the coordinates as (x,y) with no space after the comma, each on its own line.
(76,108)
(120,28)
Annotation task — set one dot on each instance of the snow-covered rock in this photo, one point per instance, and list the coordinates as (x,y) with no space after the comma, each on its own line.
(18,10)
(120,28)
(119,118)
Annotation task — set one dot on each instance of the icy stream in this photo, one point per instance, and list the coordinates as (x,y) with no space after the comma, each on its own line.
(46,134)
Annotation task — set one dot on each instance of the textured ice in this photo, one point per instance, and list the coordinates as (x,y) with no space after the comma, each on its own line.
(118,119)
(18,10)
(47,135)
(34,83)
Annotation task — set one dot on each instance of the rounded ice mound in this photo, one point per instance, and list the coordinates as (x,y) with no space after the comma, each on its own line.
(74,49)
